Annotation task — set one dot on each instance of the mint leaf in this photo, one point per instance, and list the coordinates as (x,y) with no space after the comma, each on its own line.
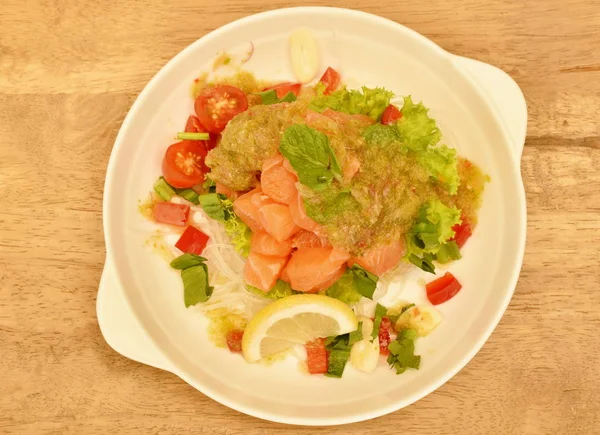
(402,352)
(370,102)
(310,155)
(187,260)
(195,285)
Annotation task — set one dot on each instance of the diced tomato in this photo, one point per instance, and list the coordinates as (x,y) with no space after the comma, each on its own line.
(384,335)
(331,79)
(215,106)
(463,232)
(390,115)
(234,340)
(183,164)
(442,289)
(316,356)
(170,213)
(283,88)
(192,241)
(193,125)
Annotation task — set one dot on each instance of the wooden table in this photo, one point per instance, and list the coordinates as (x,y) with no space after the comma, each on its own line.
(70,70)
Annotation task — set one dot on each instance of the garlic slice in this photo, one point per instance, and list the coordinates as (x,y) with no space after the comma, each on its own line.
(364,355)
(304,53)
(421,318)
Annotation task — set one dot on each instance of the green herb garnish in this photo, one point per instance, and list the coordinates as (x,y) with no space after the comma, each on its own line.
(194,274)
(402,352)
(184,135)
(380,311)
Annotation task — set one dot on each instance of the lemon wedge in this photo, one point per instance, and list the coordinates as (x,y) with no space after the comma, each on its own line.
(293,320)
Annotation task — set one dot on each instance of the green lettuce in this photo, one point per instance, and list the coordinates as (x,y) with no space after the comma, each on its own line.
(310,155)
(416,128)
(442,164)
(280,290)
(370,102)
(217,206)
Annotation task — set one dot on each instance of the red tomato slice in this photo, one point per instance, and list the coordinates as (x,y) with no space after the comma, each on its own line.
(234,340)
(331,80)
(462,232)
(170,213)
(192,241)
(316,356)
(442,289)
(183,165)
(215,106)
(384,336)
(390,115)
(283,88)
(193,125)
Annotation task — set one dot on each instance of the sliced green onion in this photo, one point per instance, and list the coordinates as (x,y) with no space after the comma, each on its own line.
(337,362)
(187,260)
(163,189)
(192,136)
(190,195)
(268,97)
(380,311)
(364,281)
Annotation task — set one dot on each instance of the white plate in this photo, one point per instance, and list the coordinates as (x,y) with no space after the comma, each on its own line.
(480,110)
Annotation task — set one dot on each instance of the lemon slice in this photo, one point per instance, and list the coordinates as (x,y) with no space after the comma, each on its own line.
(295,320)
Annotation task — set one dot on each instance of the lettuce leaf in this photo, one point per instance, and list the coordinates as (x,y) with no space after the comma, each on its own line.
(442,164)
(310,155)
(416,128)
(371,101)
(281,290)
(217,206)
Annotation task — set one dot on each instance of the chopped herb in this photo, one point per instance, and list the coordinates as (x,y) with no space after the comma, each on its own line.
(337,362)
(270,97)
(364,281)
(184,135)
(370,102)
(212,204)
(163,189)
(380,311)
(189,195)
(339,351)
(187,260)
(402,352)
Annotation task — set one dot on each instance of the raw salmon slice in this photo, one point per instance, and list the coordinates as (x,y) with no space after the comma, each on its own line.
(310,269)
(380,260)
(229,193)
(265,244)
(277,182)
(343,118)
(276,220)
(288,167)
(262,271)
(247,207)
(308,239)
(300,217)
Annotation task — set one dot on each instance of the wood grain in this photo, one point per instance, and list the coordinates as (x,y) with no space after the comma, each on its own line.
(69,71)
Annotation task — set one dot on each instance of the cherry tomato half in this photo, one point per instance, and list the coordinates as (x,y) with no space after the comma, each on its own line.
(193,125)
(390,115)
(183,165)
(331,79)
(283,88)
(215,106)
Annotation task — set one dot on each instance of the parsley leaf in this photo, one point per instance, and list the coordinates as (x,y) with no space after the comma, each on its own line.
(402,352)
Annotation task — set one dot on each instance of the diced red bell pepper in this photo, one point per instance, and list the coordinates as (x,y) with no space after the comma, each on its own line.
(442,289)
(384,335)
(234,340)
(316,356)
(390,115)
(192,241)
(331,79)
(170,213)
(462,232)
